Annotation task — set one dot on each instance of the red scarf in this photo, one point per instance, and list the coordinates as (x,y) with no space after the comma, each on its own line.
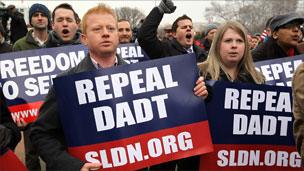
(291,52)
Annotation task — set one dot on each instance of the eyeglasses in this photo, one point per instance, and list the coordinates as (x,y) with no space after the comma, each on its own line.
(292,25)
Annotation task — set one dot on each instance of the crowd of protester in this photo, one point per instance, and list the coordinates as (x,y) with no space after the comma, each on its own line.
(226,52)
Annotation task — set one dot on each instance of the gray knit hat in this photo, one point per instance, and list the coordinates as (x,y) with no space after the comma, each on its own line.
(209,28)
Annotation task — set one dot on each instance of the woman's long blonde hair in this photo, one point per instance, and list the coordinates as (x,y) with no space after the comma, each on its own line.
(214,62)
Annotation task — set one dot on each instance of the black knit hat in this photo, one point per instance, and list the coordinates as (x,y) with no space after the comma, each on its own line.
(39,8)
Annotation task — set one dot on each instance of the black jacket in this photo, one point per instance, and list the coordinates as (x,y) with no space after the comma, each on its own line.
(242,77)
(269,50)
(18,28)
(7,121)
(47,133)
(147,39)
(55,41)
(5,47)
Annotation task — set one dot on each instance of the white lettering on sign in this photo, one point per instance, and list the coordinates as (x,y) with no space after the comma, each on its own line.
(104,116)
(132,153)
(271,158)
(261,124)
(253,99)
(34,65)
(155,80)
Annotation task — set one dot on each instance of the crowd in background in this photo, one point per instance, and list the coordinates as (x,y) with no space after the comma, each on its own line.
(224,52)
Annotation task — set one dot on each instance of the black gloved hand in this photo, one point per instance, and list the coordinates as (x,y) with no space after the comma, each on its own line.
(166,6)
(5,137)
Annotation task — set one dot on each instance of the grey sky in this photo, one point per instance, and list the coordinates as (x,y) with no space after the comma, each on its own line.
(194,9)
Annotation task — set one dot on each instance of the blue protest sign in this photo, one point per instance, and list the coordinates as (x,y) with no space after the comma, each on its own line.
(26,76)
(251,128)
(132,53)
(279,71)
(133,116)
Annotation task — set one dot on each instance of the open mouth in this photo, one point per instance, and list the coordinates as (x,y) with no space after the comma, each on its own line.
(65,31)
(188,36)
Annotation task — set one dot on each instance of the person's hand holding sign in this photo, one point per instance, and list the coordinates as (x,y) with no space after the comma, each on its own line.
(200,89)
(90,166)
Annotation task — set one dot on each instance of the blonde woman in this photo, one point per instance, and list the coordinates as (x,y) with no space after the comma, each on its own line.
(230,58)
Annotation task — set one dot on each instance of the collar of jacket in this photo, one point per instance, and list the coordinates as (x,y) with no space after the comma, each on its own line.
(242,77)
(178,46)
(56,40)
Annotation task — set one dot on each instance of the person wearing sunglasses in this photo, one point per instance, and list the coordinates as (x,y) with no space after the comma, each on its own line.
(285,33)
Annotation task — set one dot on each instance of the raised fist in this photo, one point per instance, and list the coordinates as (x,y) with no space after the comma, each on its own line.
(166,6)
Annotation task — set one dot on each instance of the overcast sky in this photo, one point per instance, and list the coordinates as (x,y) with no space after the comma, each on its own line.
(194,9)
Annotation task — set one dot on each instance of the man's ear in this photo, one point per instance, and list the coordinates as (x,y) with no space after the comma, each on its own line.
(83,39)
(174,34)
(53,25)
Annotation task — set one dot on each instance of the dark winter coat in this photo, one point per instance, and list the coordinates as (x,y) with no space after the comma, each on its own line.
(5,47)
(147,39)
(18,28)
(7,121)
(242,77)
(56,41)
(26,43)
(269,50)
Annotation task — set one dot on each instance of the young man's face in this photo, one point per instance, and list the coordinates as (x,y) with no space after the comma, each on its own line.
(124,32)
(101,35)
(64,24)
(39,21)
(184,33)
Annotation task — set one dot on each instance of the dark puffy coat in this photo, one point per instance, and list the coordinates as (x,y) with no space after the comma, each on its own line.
(147,39)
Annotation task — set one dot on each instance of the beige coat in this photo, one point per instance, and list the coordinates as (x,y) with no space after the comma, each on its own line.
(298,108)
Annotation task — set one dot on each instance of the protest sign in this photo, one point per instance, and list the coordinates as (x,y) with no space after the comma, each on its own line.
(10,162)
(26,76)
(133,116)
(132,53)
(279,71)
(251,128)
